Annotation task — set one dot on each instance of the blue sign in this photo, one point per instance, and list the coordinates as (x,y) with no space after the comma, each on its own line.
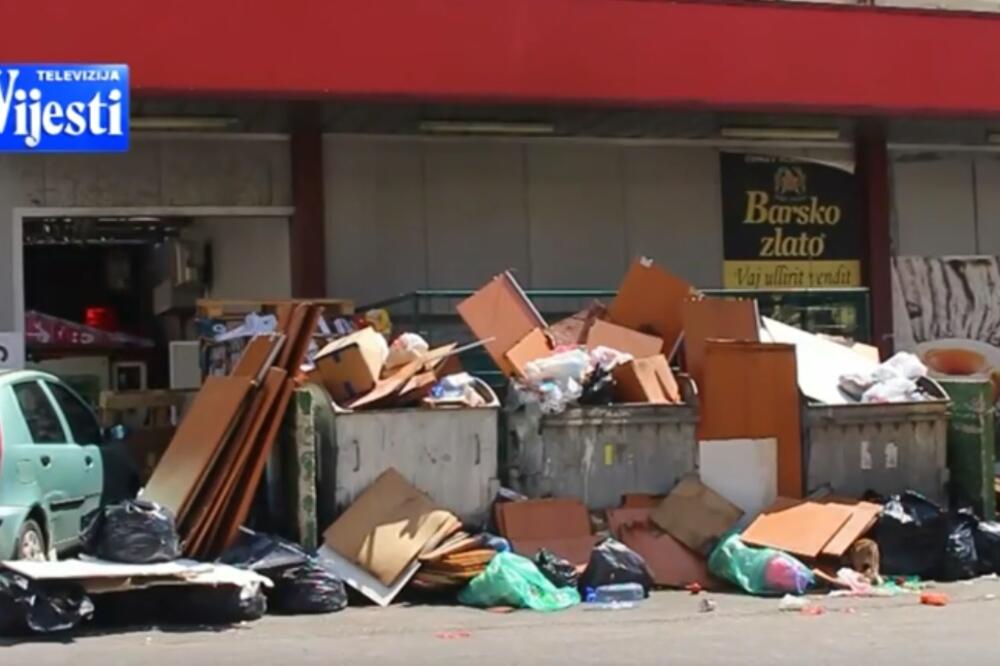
(64,108)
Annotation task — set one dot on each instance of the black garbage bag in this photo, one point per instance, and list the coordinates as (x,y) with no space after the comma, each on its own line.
(263,552)
(911,534)
(27,606)
(612,562)
(307,588)
(987,538)
(960,559)
(216,605)
(133,531)
(560,572)
(599,388)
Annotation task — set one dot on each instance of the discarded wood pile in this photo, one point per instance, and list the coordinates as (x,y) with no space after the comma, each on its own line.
(211,470)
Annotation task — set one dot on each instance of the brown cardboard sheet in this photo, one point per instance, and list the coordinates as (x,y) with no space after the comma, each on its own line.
(695,515)
(351,366)
(388,388)
(500,314)
(625,340)
(388,526)
(573,329)
(196,444)
(646,380)
(750,390)
(801,528)
(533,346)
(221,480)
(649,301)
(560,525)
(715,318)
(671,563)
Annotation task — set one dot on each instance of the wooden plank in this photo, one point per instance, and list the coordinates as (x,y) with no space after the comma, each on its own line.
(198,440)
(292,331)
(299,345)
(228,461)
(238,508)
(258,356)
(233,462)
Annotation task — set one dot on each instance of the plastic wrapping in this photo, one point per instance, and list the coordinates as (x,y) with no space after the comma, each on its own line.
(263,552)
(613,562)
(560,572)
(762,571)
(513,580)
(407,347)
(960,560)
(27,606)
(987,539)
(911,534)
(133,532)
(307,588)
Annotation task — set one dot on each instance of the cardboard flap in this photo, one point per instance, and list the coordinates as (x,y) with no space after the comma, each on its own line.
(619,338)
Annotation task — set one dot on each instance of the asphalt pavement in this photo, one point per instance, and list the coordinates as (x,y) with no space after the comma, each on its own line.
(668,628)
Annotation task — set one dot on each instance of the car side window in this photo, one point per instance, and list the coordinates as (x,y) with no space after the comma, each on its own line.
(43,422)
(82,422)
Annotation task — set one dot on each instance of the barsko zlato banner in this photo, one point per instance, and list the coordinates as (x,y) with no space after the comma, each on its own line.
(789,223)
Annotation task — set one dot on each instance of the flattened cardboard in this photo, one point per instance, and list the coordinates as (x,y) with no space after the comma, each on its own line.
(388,526)
(671,563)
(695,515)
(750,390)
(649,301)
(863,518)
(196,444)
(802,529)
(389,387)
(715,318)
(351,366)
(646,380)
(533,346)
(625,340)
(560,525)
(500,313)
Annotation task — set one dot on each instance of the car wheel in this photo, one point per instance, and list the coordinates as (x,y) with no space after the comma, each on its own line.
(30,542)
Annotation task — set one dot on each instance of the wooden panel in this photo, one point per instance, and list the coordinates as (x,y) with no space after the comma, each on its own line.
(802,530)
(750,390)
(197,442)
(257,356)
(649,300)
(717,318)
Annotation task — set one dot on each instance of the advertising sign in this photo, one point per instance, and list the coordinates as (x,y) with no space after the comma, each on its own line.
(788,224)
(64,108)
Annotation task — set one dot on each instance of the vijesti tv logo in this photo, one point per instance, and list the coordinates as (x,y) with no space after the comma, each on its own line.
(64,108)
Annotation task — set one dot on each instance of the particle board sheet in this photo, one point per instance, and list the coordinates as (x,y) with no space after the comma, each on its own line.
(695,515)
(802,529)
(258,356)
(298,344)
(220,485)
(649,300)
(293,331)
(625,340)
(750,391)
(198,441)
(715,318)
(501,315)
(237,510)
(560,525)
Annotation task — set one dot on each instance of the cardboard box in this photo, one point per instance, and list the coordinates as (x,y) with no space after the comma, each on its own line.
(646,380)
(350,367)
(649,300)
(696,515)
(533,346)
(625,340)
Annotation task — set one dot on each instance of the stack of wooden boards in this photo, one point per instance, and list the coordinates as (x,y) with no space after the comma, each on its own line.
(459,559)
(211,470)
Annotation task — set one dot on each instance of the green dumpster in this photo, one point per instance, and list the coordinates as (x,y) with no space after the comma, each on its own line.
(971,452)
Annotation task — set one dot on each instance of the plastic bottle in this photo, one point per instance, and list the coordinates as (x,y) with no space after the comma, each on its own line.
(615,597)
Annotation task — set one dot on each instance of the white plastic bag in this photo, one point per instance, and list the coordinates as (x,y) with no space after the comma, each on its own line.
(573,365)
(407,347)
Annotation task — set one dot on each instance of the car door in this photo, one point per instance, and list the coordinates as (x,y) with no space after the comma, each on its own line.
(56,463)
(85,433)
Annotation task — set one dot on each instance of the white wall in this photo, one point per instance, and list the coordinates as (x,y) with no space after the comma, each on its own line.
(155,173)
(250,258)
(405,214)
(946,204)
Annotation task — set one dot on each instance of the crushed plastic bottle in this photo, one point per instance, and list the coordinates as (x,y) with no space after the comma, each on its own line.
(614,597)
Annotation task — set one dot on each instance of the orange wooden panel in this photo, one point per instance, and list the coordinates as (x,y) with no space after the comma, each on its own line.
(715,318)
(649,301)
(803,529)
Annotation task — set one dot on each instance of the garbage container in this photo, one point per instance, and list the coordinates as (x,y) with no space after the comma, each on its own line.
(449,453)
(886,448)
(970,444)
(597,454)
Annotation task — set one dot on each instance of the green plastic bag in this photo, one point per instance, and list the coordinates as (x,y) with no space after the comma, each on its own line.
(762,571)
(512,580)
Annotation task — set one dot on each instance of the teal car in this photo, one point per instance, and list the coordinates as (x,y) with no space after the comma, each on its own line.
(55,466)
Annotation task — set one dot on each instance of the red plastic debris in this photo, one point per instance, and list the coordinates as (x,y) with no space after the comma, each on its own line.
(452,635)
(934,599)
(693,588)
(813,610)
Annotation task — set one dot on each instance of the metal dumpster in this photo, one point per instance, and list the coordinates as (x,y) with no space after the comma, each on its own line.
(450,454)
(886,448)
(599,453)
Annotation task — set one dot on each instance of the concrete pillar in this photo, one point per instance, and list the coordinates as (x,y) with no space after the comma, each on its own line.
(306,243)
(872,159)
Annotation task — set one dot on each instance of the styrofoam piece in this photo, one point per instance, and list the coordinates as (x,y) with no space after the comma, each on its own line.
(744,471)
